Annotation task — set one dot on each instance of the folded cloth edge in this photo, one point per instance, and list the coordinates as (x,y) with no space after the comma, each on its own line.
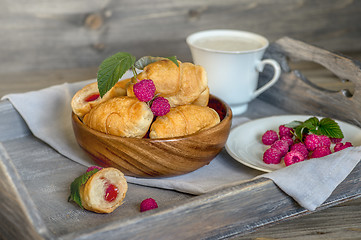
(338,166)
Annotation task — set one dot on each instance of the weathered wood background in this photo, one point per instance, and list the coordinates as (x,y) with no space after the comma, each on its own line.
(61,34)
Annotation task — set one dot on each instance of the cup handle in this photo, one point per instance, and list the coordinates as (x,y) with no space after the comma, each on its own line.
(276,75)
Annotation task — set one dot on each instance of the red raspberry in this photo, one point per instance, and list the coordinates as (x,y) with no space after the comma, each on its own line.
(321,152)
(292,157)
(272,156)
(269,137)
(160,106)
(301,148)
(144,90)
(341,146)
(325,141)
(336,140)
(282,146)
(312,141)
(288,140)
(285,131)
(148,204)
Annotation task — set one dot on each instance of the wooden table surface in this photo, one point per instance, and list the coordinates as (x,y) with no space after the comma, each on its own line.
(338,222)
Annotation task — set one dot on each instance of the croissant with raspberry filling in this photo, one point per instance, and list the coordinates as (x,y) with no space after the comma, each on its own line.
(104,191)
(89,97)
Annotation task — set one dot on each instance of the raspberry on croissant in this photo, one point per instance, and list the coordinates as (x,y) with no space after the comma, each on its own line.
(88,97)
(120,116)
(104,191)
(184,120)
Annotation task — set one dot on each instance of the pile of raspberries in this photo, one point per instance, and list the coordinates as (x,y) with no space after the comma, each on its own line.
(284,145)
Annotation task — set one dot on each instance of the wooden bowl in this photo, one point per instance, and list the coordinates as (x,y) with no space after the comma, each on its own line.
(144,157)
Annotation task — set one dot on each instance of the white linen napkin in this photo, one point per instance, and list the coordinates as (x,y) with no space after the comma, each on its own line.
(47,113)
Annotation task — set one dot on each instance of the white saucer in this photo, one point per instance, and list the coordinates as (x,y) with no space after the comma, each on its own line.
(244,142)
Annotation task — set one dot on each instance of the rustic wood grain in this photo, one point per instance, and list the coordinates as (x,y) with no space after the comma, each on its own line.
(220,215)
(38,35)
(296,94)
(145,157)
(219,222)
(19,219)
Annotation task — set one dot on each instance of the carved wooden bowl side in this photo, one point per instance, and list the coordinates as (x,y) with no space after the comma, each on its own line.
(144,157)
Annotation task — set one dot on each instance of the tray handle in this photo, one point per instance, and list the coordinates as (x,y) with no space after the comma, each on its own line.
(294,93)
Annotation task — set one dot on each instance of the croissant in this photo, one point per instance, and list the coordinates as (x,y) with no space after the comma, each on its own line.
(104,191)
(89,97)
(183,120)
(120,116)
(180,85)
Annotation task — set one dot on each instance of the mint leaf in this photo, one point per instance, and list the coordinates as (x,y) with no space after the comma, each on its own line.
(325,126)
(142,62)
(174,60)
(312,125)
(299,131)
(330,128)
(293,124)
(76,184)
(112,69)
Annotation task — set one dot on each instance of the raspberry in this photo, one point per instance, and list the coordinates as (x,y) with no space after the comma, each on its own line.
(336,140)
(321,152)
(148,204)
(301,148)
(285,131)
(272,156)
(341,146)
(288,140)
(91,168)
(325,141)
(312,141)
(293,156)
(144,90)
(269,137)
(282,146)
(160,106)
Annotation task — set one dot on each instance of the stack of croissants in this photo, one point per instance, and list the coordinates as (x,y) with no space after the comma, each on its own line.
(120,113)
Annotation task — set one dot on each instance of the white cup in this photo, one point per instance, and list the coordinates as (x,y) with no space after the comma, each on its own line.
(233,60)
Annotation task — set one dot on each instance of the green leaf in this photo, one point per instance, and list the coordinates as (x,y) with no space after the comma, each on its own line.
(293,124)
(312,122)
(76,184)
(142,62)
(299,131)
(174,60)
(325,126)
(330,128)
(112,69)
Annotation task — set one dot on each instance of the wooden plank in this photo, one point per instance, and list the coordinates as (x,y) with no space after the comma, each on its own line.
(38,35)
(212,215)
(19,217)
(339,222)
(296,94)
(234,211)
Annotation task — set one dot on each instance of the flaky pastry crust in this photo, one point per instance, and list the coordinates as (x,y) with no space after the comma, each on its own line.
(82,101)
(93,192)
(183,120)
(120,116)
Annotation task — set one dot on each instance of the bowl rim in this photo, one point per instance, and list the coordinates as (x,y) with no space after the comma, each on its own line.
(228,117)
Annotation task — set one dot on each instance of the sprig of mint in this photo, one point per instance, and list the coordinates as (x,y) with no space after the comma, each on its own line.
(115,66)
(76,184)
(325,126)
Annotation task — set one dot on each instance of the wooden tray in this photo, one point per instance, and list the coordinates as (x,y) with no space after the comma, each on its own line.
(35,179)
